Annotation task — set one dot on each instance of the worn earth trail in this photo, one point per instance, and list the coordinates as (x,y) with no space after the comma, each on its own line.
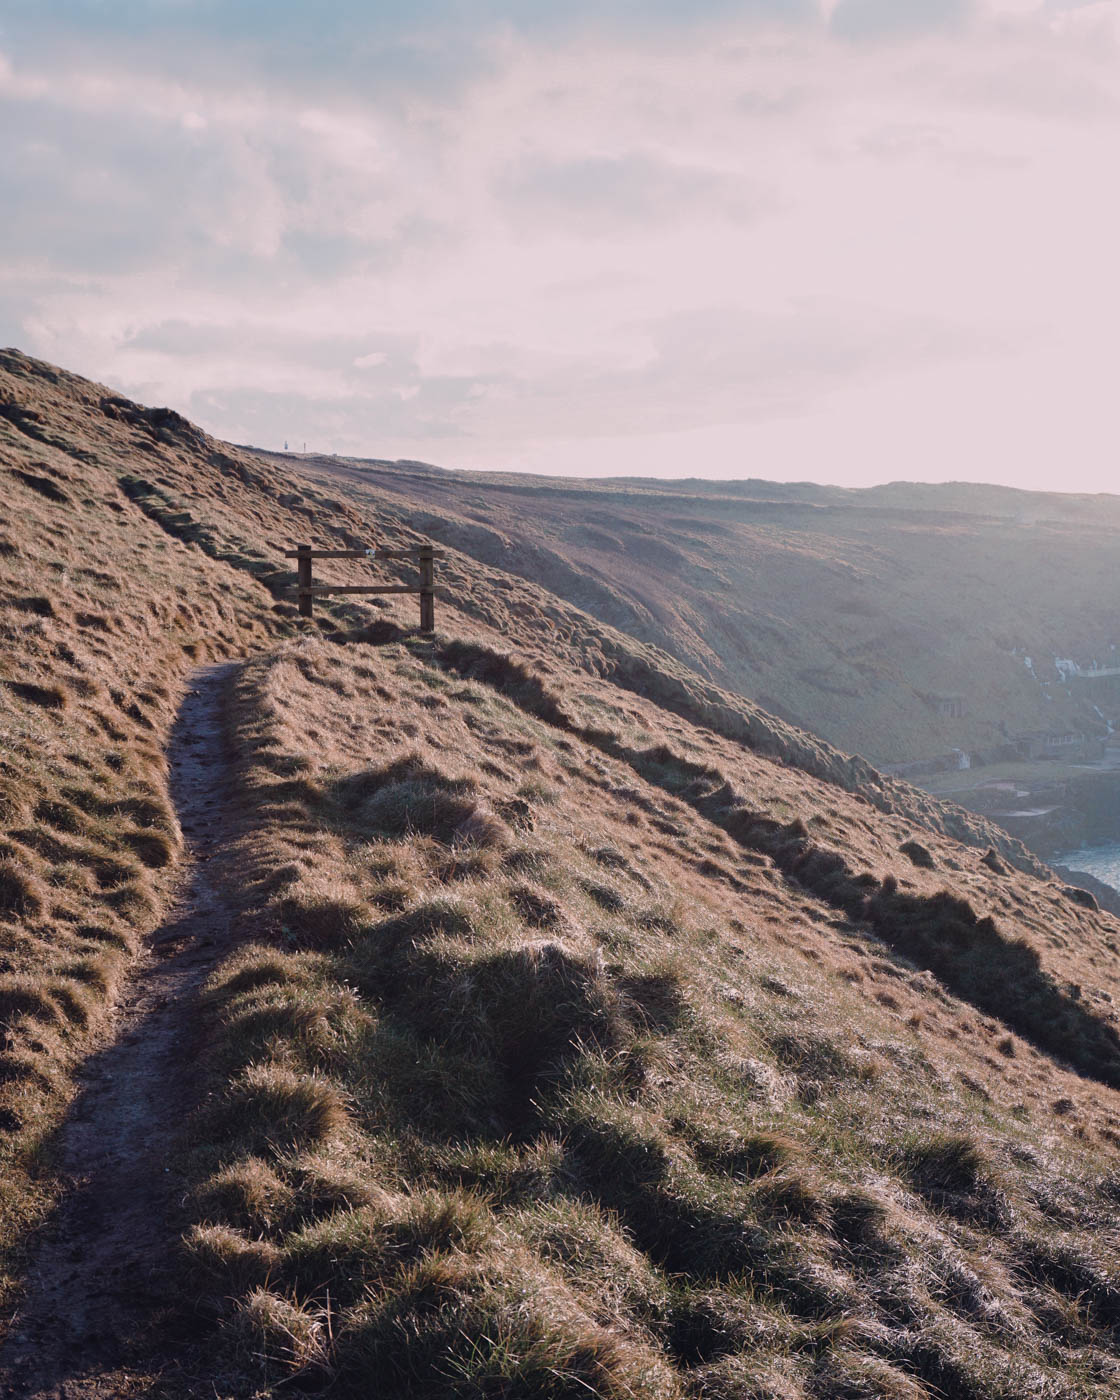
(101,1278)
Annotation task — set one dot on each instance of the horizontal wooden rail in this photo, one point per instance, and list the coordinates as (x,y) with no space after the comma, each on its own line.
(357,588)
(424,555)
(410,553)
(329,553)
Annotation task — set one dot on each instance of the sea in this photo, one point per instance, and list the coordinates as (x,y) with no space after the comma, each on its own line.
(1101,861)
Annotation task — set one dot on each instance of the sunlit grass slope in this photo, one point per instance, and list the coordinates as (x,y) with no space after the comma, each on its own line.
(590,1031)
(541,1074)
(102,613)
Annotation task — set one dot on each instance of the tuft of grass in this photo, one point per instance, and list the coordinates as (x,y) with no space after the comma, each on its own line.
(741,1154)
(814,1057)
(505,1173)
(24,996)
(918,855)
(21,893)
(523,1012)
(41,1066)
(791,1195)
(271,1107)
(314,1027)
(288,1338)
(450,1326)
(859,1220)
(323,1184)
(347,1252)
(248,1195)
(953,1173)
(604,896)
(99,971)
(409,796)
(616,1280)
(220,1259)
(319,911)
(848,1375)
(46,697)
(59,814)
(76,999)
(535,906)
(153,848)
(947,1162)
(257,966)
(134,901)
(15,804)
(484,828)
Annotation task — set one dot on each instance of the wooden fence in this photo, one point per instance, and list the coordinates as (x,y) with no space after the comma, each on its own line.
(424,554)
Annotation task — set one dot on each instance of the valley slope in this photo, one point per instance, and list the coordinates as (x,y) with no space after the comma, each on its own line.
(858,614)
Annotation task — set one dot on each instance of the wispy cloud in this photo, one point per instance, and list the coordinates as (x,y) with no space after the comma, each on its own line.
(598,195)
(877,19)
(498,233)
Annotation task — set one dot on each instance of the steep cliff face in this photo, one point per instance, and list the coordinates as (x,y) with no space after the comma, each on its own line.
(579,1027)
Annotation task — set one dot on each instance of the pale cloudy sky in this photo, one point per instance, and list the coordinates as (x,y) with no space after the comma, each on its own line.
(838,240)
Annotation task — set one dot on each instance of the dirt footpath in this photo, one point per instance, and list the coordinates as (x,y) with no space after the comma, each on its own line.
(102,1272)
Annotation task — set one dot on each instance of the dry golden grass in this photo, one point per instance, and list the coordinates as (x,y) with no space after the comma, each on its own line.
(592,1031)
(737,1141)
(104,612)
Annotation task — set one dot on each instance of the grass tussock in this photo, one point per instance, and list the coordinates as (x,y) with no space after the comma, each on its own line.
(22,895)
(451,1326)
(27,998)
(280,1337)
(248,1195)
(221,1257)
(153,848)
(254,967)
(616,1281)
(270,1106)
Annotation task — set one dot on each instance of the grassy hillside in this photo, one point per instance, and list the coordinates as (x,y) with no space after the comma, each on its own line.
(587,1030)
(847,612)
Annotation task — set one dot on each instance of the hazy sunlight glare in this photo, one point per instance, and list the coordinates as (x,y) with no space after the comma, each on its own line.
(833,248)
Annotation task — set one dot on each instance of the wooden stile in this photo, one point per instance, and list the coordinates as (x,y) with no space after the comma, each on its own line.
(424,554)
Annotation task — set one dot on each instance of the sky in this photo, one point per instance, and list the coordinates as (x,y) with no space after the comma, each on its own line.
(846,241)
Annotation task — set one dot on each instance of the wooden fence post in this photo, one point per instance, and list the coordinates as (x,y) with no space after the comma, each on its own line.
(427,586)
(306,600)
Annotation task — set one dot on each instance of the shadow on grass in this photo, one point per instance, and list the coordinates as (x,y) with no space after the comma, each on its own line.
(941,933)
